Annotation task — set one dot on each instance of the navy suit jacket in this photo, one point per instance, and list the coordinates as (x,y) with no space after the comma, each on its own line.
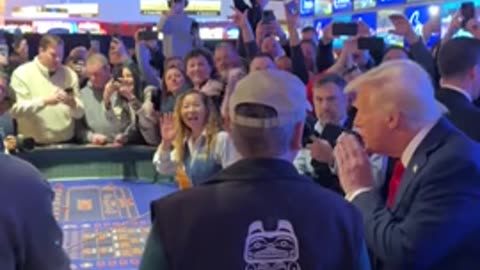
(463,113)
(435,220)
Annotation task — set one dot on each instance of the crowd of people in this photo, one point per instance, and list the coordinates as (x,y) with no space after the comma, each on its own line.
(288,155)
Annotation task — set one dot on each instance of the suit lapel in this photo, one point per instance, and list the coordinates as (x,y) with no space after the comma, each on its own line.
(434,139)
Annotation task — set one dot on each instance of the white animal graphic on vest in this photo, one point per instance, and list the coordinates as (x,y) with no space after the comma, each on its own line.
(271,250)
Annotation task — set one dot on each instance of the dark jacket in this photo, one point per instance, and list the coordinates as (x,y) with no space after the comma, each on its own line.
(257,213)
(462,112)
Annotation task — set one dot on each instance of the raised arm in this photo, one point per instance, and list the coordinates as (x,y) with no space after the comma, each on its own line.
(325,58)
(296,54)
(164,157)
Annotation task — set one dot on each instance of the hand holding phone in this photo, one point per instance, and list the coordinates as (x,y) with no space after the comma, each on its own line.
(69,97)
(147,35)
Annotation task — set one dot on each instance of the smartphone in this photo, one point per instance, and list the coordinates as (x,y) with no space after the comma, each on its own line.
(69,90)
(345,29)
(268,16)
(292,7)
(331,133)
(147,35)
(371,43)
(467,9)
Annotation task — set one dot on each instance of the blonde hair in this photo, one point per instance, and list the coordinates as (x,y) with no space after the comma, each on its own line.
(211,128)
(403,85)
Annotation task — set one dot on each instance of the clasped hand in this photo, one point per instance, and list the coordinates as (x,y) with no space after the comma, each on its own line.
(353,164)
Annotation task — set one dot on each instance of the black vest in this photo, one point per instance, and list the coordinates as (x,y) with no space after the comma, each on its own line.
(258,214)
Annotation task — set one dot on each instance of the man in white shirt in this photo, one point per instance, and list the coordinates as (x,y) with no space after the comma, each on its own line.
(176,27)
(430,219)
(46,95)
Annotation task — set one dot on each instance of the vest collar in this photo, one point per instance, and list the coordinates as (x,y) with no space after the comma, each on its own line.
(259,169)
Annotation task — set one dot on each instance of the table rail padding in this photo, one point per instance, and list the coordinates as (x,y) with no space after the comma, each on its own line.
(75,162)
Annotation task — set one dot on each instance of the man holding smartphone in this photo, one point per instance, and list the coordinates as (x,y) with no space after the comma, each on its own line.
(44,109)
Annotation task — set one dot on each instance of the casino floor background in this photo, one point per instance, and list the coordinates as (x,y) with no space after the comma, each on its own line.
(102,201)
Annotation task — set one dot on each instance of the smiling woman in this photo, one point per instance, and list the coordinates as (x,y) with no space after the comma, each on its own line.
(193,147)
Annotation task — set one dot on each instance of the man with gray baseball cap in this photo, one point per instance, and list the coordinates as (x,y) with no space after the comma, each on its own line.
(259,213)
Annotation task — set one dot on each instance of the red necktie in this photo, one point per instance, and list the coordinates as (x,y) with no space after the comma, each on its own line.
(394,184)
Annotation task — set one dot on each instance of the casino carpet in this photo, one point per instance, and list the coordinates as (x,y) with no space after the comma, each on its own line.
(105,223)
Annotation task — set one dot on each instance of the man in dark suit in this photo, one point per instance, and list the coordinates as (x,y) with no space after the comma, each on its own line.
(30,238)
(459,66)
(431,219)
(259,213)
